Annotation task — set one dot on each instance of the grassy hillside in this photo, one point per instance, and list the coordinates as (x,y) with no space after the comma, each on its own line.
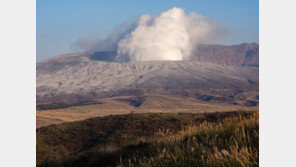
(58,113)
(162,139)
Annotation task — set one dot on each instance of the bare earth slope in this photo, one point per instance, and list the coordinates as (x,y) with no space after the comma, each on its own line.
(86,78)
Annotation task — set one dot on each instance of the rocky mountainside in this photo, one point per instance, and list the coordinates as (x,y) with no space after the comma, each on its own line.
(87,76)
(234,55)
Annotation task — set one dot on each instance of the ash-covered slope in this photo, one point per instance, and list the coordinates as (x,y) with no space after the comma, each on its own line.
(84,76)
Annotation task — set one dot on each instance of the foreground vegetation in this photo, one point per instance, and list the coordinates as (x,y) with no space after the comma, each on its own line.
(211,139)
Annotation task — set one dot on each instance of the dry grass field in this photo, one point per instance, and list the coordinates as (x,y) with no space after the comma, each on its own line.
(159,139)
(128,104)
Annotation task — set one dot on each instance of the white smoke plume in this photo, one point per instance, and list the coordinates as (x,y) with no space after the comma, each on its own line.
(171,35)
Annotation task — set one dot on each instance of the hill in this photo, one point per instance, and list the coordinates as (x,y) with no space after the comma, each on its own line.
(79,86)
(58,113)
(183,139)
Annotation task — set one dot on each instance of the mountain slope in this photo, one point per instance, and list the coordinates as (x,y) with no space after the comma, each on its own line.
(86,76)
(100,79)
(234,55)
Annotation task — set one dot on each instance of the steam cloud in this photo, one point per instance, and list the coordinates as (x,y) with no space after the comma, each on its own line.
(172,35)
(94,43)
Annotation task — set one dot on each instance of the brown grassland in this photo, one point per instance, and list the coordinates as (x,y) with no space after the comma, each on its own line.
(124,105)
(153,139)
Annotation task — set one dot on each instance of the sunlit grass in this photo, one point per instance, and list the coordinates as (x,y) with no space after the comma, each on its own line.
(212,140)
(231,142)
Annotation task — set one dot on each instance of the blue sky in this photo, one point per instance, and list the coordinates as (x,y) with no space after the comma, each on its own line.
(61,23)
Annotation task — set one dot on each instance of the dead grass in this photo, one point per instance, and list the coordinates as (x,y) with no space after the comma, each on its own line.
(232,141)
(151,104)
(212,139)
